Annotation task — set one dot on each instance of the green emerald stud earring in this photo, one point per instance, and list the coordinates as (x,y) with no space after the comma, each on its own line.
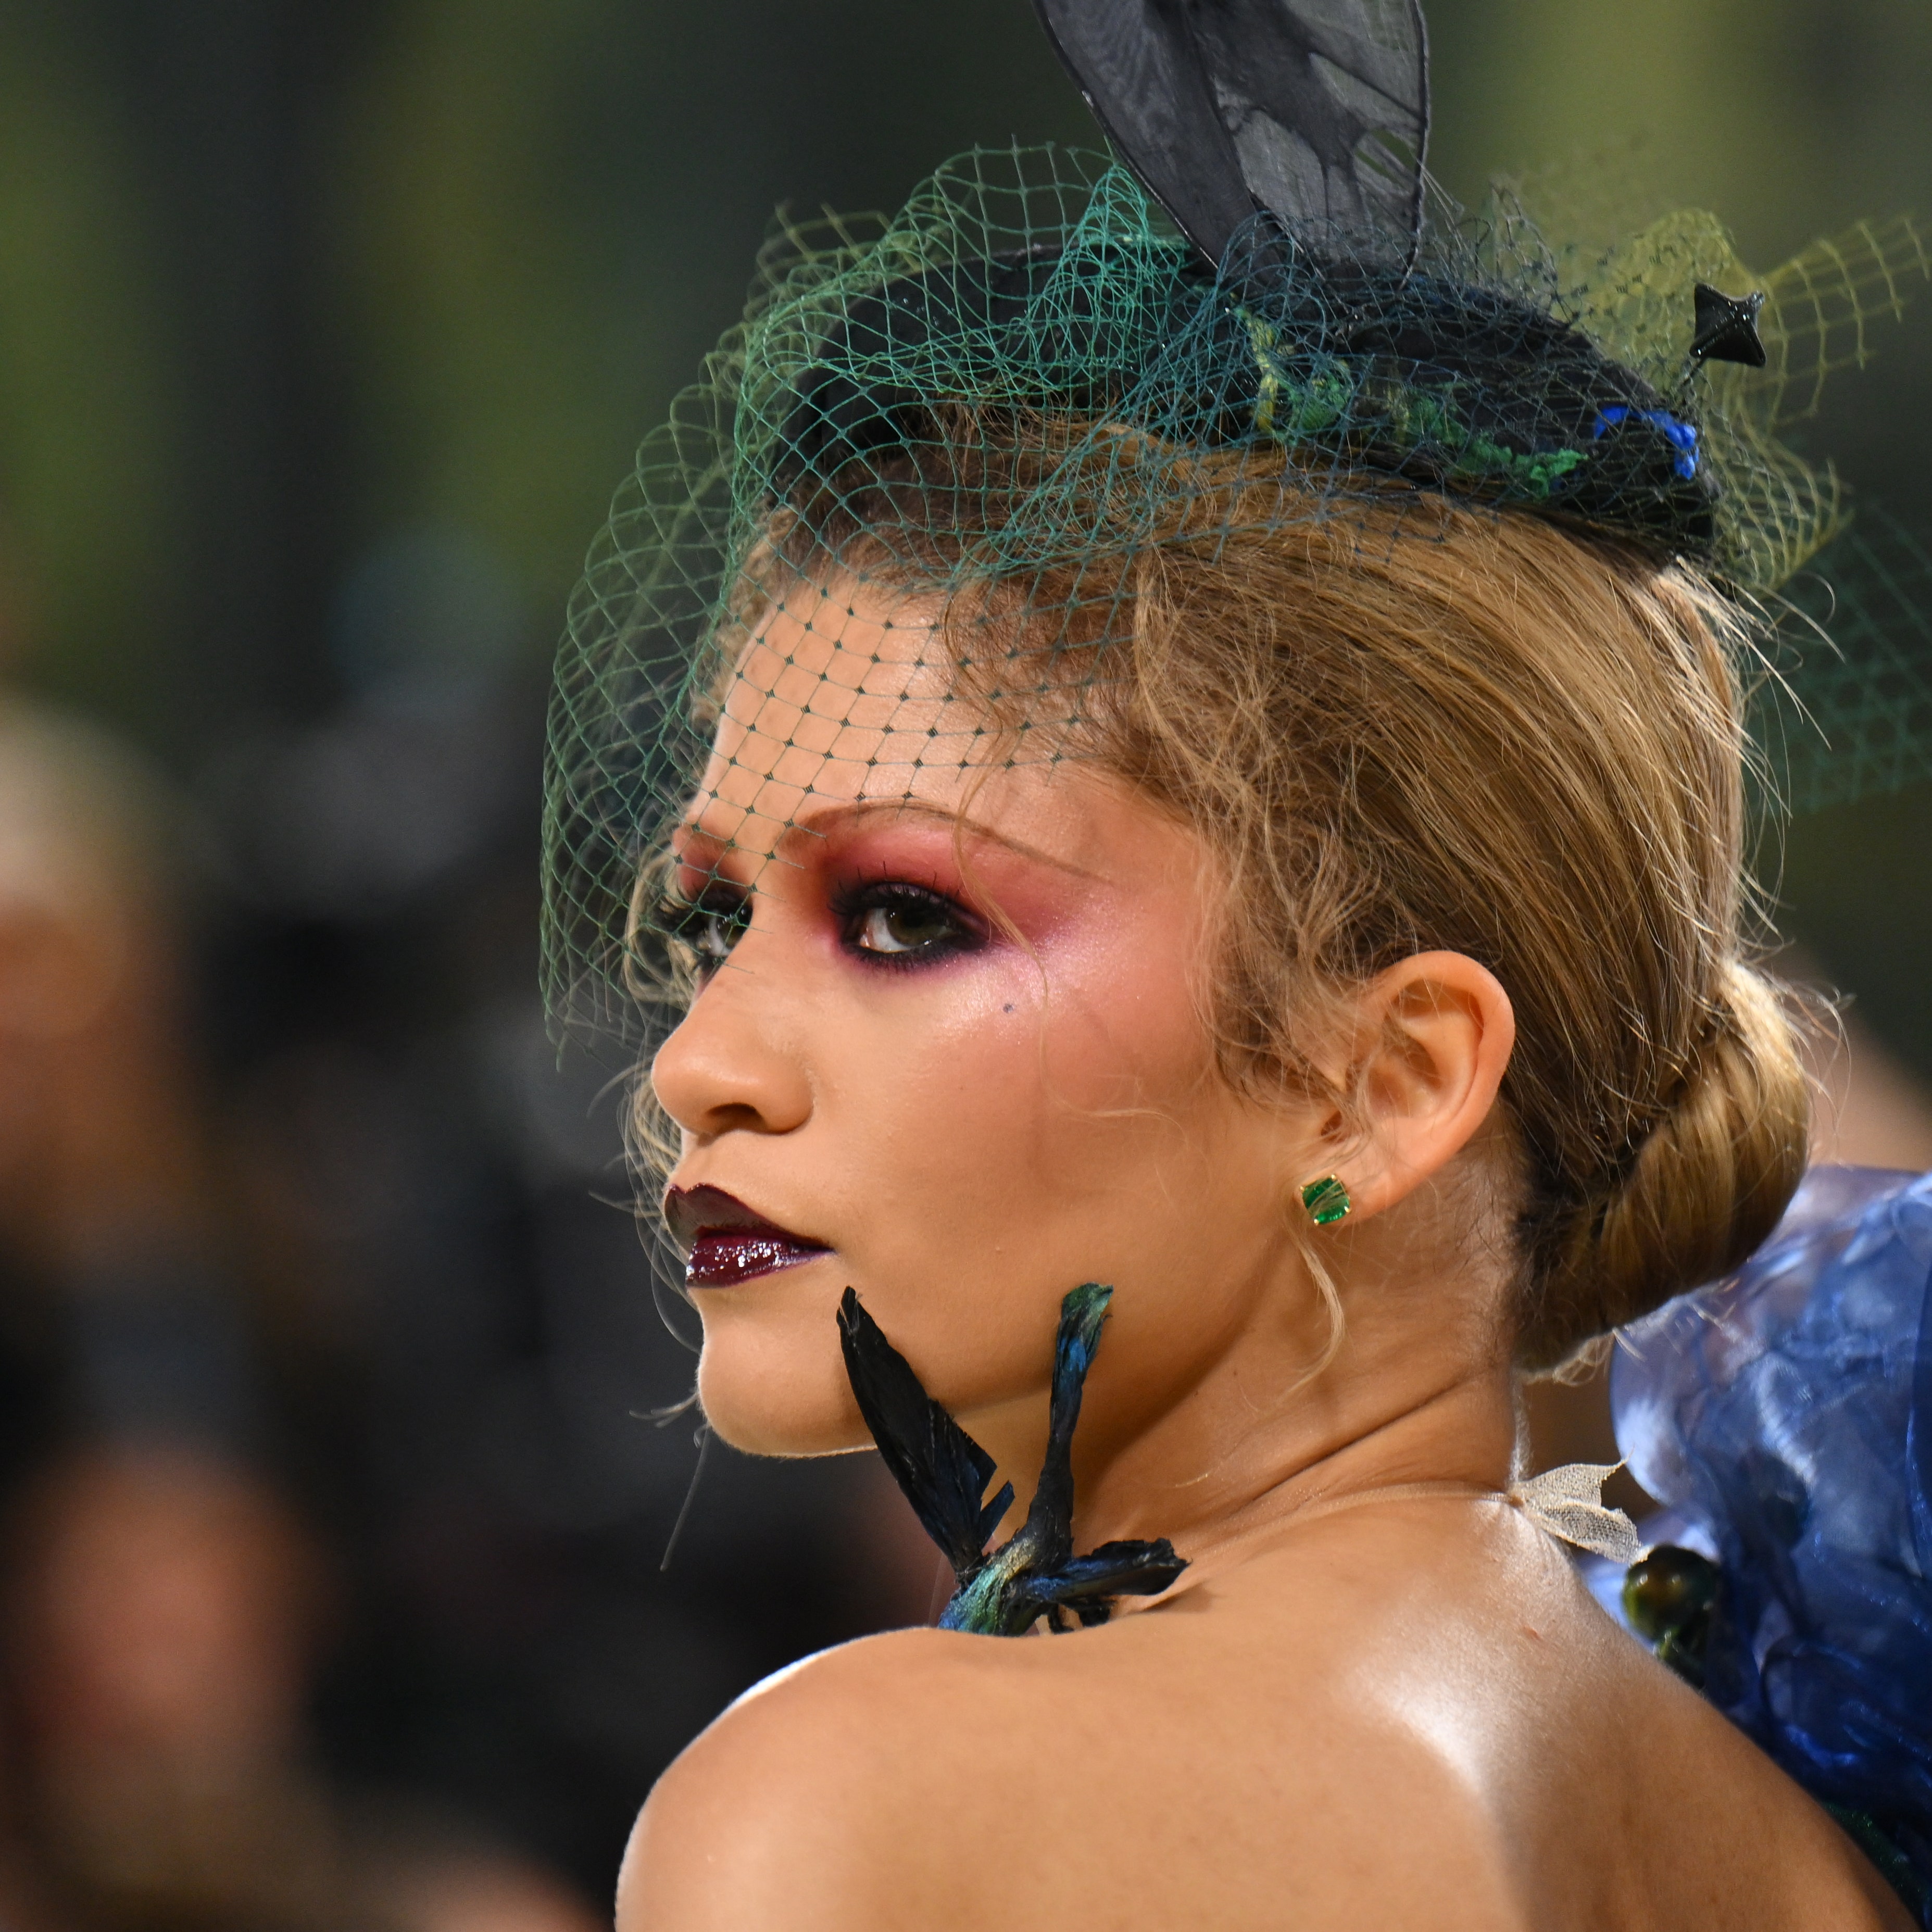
(1326,1199)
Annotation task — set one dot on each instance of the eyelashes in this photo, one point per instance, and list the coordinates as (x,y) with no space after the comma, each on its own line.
(708,926)
(892,925)
(895,924)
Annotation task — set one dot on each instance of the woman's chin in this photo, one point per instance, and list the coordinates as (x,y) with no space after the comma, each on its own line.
(776,1387)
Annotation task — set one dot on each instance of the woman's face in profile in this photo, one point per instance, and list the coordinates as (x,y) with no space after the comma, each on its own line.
(949,1049)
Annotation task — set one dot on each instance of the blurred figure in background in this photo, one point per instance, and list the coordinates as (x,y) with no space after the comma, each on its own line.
(165,1612)
(165,1615)
(119,1316)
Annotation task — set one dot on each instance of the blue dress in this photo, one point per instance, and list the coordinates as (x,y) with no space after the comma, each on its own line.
(1784,1419)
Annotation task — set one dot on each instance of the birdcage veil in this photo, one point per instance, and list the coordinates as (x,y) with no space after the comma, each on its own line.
(1050,364)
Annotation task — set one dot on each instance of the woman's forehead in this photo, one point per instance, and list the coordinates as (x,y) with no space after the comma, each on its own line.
(844,697)
(855,701)
(850,690)
(841,693)
(856,654)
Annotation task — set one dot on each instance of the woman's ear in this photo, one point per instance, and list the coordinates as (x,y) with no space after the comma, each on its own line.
(1432,1041)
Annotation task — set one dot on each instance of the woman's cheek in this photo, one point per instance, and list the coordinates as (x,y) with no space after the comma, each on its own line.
(929,1064)
(989,1083)
(1122,1024)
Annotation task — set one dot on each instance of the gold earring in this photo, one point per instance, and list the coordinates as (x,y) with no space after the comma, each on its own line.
(1326,1199)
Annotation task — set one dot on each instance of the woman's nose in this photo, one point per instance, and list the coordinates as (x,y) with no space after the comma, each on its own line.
(723,1069)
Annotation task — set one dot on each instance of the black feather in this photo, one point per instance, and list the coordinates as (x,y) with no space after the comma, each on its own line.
(942,1470)
(1316,111)
(1087,1585)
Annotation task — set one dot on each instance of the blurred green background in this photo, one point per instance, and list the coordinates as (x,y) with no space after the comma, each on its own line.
(282,285)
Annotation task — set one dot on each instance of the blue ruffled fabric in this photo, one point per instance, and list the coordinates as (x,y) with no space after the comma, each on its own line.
(1787,1417)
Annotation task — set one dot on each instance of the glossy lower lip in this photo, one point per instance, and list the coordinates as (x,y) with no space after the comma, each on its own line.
(723,1257)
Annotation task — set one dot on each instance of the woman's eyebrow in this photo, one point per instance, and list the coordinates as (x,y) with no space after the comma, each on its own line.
(695,848)
(834,817)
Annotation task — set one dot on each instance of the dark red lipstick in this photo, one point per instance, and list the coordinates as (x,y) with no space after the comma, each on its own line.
(725,1242)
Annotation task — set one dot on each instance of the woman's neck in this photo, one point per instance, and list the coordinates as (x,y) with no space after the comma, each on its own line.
(1457,1439)
(1244,1449)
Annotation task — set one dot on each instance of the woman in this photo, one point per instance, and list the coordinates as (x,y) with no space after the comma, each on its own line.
(1224,785)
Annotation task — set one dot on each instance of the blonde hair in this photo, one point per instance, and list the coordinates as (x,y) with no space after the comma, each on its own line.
(1408,724)
(1489,736)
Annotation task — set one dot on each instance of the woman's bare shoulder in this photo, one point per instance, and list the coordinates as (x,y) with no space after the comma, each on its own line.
(1255,1761)
(910,1779)
(815,1800)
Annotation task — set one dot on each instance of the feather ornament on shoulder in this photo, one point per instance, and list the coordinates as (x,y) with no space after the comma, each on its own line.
(944,1473)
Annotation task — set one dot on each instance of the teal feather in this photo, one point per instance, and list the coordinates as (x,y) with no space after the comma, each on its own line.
(944,1472)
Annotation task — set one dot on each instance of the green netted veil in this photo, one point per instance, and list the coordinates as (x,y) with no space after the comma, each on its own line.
(1039,300)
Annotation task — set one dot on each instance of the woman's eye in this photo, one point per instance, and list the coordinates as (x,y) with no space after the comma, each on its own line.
(907,924)
(710,924)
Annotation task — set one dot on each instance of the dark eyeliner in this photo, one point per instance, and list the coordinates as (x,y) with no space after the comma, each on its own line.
(710,925)
(953,930)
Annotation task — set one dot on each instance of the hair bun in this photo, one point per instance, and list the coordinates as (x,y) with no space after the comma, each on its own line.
(1707,1185)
